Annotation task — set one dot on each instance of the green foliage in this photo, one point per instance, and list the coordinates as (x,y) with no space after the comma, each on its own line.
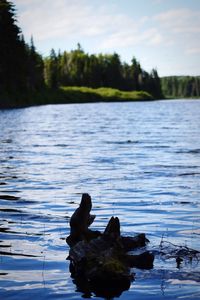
(28,79)
(21,67)
(181,86)
(84,94)
(10,43)
(52,71)
(77,68)
(65,95)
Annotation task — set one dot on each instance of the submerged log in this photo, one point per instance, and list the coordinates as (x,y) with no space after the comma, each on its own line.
(100,260)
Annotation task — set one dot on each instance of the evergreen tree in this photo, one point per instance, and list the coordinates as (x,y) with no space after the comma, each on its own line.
(51,70)
(135,74)
(11,49)
(156,84)
(21,67)
(77,68)
(35,68)
(181,86)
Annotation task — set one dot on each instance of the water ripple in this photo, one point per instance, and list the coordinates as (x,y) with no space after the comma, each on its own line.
(139,161)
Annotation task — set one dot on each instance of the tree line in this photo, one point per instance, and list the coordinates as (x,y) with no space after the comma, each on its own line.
(21,67)
(23,70)
(77,68)
(181,86)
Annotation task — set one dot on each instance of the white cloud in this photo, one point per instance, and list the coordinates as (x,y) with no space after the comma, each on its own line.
(60,18)
(179,20)
(156,39)
(132,36)
(194,50)
(64,18)
(169,28)
(181,27)
(71,19)
(108,27)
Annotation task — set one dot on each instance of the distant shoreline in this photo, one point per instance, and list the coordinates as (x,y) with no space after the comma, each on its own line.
(69,95)
(73,95)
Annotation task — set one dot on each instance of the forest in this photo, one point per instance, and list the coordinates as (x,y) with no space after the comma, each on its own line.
(77,68)
(181,86)
(27,78)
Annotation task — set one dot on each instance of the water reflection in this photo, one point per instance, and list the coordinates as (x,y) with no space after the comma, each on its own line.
(105,290)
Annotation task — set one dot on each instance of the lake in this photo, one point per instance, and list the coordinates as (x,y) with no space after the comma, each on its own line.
(138,161)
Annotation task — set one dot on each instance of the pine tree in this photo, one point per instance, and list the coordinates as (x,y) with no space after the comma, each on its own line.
(35,68)
(10,49)
(51,70)
(21,67)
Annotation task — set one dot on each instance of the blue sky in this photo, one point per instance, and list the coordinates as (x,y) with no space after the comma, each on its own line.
(162,34)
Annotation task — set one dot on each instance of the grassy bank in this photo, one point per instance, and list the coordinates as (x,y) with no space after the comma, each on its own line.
(65,95)
(85,94)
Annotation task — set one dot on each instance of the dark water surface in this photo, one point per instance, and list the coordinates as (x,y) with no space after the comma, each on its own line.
(139,161)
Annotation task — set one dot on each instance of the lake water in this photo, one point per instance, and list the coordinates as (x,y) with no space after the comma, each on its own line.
(138,161)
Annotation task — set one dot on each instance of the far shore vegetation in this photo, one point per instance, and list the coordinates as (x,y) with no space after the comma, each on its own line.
(27,78)
(67,95)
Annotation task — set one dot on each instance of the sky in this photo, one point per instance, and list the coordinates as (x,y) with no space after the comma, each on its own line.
(161,34)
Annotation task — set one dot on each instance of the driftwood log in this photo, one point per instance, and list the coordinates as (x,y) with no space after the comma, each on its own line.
(100,262)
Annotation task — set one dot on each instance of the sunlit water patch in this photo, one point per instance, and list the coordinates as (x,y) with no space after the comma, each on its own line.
(139,161)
